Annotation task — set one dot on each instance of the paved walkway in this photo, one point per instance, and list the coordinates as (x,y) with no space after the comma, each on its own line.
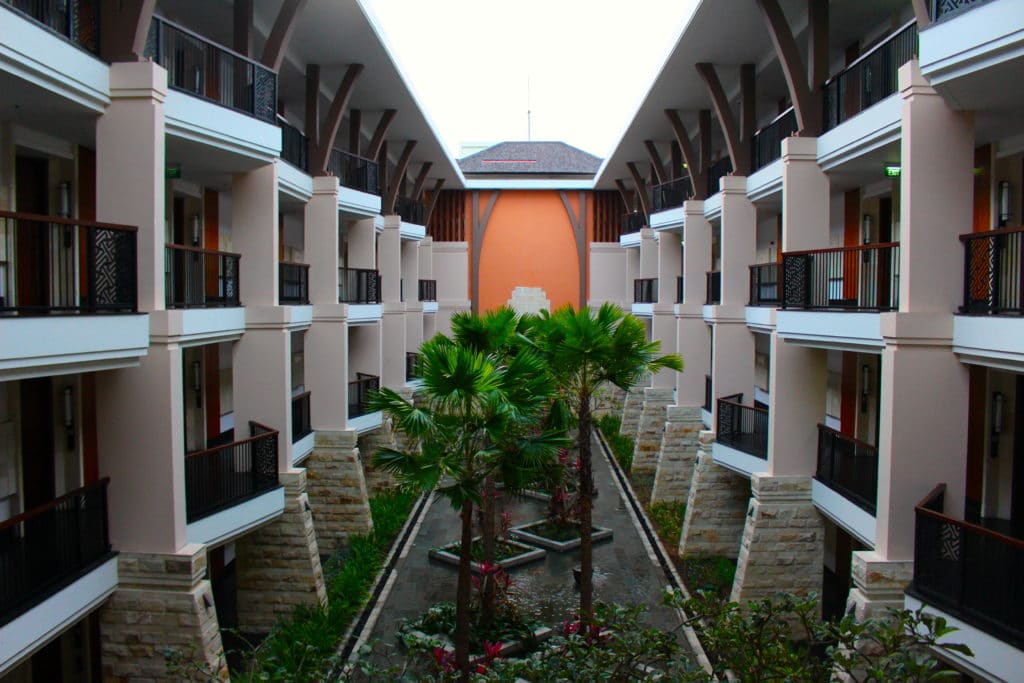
(624,570)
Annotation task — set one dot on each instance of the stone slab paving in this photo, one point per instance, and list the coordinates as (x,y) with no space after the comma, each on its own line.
(625,572)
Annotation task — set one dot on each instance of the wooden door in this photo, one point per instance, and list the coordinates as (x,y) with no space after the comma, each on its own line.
(37,442)
(32,264)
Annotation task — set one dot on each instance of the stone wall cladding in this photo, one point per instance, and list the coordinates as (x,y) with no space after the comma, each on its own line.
(679,445)
(337,490)
(632,407)
(162,603)
(716,508)
(650,429)
(608,400)
(279,563)
(783,543)
(377,480)
(878,584)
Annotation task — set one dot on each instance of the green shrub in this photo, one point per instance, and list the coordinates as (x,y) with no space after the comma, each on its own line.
(667,518)
(622,446)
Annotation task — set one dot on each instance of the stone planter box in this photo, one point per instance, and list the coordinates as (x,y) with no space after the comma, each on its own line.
(526,554)
(523,533)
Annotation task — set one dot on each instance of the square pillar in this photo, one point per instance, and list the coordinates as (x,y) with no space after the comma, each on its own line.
(254,214)
(692,332)
(798,385)
(679,446)
(805,196)
(663,323)
(337,489)
(413,307)
(262,376)
(716,508)
(738,242)
(322,243)
(389,255)
(362,244)
(648,254)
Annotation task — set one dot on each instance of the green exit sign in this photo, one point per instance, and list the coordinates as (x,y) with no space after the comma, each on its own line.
(173,172)
(892,170)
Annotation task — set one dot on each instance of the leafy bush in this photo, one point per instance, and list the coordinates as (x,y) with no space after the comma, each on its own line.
(667,518)
(621,445)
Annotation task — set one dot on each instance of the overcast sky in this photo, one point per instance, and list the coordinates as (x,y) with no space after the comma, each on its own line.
(588,63)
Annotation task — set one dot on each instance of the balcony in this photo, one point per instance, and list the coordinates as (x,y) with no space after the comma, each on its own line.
(870,79)
(428,290)
(76,20)
(743,428)
(633,222)
(764,284)
(358,286)
(301,426)
(48,548)
(224,476)
(201,278)
(970,572)
(766,146)
(411,210)
(849,467)
(203,69)
(679,289)
(294,146)
(412,366)
(671,194)
(864,278)
(940,10)
(293,283)
(714,285)
(716,172)
(354,172)
(994,272)
(359,392)
(645,290)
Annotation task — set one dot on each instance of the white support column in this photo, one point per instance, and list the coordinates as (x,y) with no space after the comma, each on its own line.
(663,323)
(694,341)
(393,323)
(254,215)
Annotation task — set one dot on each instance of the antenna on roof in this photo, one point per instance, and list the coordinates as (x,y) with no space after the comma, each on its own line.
(529,135)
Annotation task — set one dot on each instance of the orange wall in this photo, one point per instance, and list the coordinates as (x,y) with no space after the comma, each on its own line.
(529,243)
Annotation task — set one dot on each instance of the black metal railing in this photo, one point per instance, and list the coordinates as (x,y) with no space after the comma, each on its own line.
(764,284)
(201,278)
(359,391)
(716,172)
(969,571)
(63,265)
(293,283)
(671,194)
(744,428)
(45,549)
(411,210)
(766,146)
(358,286)
(994,272)
(412,365)
(714,285)
(213,72)
(221,477)
(294,145)
(843,278)
(679,289)
(849,467)
(633,222)
(707,393)
(354,171)
(301,425)
(428,290)
(870,79)
(76,20)
(943,9)
(645,290)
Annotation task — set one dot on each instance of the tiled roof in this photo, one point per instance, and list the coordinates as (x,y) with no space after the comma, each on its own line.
(548,158)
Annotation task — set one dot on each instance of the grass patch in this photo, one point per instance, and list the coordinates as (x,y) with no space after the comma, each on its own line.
(303,647)
(713,574)
(622,446)
(668,521)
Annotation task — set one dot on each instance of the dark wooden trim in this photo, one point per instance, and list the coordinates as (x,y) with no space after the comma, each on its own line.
(435,194)
(641,187)
(185,247)
(817,42)
(693,162)
(421,179)
(656,163)
(963,238)
(738,152)
(39,218)
(924,19)
(321,153)
(479,226)
(312,107)
(355,130)
(242,28)
(624,194)
(281,33)
(388,203)
(808,116)
(977,528)
(380,133)
(29,514)
(125,27)
(860,247)
(579,233)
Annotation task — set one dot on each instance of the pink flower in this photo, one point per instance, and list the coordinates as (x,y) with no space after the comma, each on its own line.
(492,650)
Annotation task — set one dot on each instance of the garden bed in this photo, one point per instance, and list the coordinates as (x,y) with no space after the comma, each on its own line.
(553,536)
(508,554)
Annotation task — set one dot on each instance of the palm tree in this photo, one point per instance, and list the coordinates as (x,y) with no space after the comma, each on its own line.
(475,410)
(584,351)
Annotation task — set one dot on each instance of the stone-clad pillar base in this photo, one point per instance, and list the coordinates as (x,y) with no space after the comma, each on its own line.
(679,446)
(386,436)
(715,509)
(878,585)
(337,490)
(783,547)
(279,563)
(632,407)
(647,449)
(162,604)
(608,400)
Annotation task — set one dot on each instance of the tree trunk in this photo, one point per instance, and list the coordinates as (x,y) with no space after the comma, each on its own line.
(586,493)
(463,593)
(489,539)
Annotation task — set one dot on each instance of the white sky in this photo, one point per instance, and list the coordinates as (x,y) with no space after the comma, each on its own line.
(588,63)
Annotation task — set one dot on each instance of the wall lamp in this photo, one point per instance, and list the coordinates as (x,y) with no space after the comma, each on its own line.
(997,422)
(1004,203)
(865,386)
(197,382)
(69,415)
(195,229)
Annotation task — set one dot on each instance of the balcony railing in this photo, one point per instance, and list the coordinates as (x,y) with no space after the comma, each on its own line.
(62,265)
(645,290)
(301,427)
(943,9)
(293,282)
(849,467)
(428,290)
(716,172)
(202,68)
(714,285)
(358,286)
(994,272)
(679,289)
(969,571)
(200,278)
(354,171)
(411,210)
(864,278)
(707,393)
(226,475)
(633,222)
(359,391)
(49,547)
(764,284)
(294,146)
(76,20)
(672,194)
(870,79)
(766,146)
(744,428)
(412,366)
